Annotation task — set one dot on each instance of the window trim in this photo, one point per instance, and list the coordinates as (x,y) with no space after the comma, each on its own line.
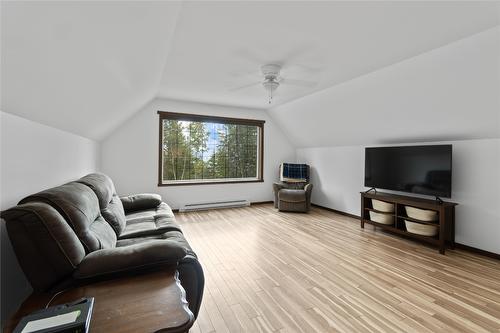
(211,119)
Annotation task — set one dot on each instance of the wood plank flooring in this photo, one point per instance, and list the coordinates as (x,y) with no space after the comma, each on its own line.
(268,271)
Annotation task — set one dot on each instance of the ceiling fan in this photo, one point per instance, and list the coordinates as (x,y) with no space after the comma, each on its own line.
(272,80)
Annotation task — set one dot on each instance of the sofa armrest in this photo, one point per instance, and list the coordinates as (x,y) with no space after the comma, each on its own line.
(130,258)
(276,188)
(193,281)
(308,188)
(140,201)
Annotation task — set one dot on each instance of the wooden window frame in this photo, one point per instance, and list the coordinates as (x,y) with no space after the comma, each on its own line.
(211,119)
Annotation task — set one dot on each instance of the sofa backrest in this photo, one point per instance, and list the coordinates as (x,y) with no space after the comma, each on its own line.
(78,205)
(47,249)
(109,202)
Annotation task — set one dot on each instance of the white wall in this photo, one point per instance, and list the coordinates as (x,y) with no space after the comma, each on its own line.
(33,157)
(130,156)
(338,174)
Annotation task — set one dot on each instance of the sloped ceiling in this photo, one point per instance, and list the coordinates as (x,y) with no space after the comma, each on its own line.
(86,67)
(450,93)
(83,67)
(220,46)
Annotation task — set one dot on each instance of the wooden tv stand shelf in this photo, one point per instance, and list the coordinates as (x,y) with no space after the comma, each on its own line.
(445,221)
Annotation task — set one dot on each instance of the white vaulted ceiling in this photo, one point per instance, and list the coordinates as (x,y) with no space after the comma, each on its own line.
(83,67)
(220,46)
(450,93)
(86,67)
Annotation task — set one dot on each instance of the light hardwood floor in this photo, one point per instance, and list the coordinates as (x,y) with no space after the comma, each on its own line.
(320,272)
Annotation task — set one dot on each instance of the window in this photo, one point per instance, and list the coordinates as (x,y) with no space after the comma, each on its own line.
(196,149)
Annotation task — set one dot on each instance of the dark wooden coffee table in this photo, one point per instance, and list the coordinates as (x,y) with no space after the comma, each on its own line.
(148,302)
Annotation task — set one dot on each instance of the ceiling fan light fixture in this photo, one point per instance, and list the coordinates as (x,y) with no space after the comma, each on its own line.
(270,85)
(271,74)
(271,70)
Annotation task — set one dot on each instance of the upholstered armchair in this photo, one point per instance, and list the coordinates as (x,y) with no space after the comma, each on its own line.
(293,192)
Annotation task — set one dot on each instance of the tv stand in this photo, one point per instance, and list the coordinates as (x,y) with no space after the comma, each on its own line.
(444,209)
(371,189)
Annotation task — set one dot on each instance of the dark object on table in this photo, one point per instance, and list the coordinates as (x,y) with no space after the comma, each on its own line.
(293,193)
(415,169)
(71,317)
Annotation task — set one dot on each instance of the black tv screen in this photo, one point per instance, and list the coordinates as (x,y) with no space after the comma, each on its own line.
(414,169)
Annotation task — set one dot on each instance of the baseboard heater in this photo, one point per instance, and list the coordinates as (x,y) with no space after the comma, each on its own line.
(214,205)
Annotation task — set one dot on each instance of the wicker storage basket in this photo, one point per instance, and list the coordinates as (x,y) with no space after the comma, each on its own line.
(382,206)
(421,229)
(421,214)
(381,218)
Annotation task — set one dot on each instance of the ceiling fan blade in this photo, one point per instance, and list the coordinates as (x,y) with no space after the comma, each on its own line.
(245,86)
(255,73)
(306,68)
(248,55)
(302,83)
(298,52)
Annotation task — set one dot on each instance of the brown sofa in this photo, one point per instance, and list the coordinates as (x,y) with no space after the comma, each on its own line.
(82,232)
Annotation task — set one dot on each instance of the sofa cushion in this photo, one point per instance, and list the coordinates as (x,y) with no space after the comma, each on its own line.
(47,248)
(115,215)
(292,195)
(150,222)
(173,235)
(110,204)
(79,206)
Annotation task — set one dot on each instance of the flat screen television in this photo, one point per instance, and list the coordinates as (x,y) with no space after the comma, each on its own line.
(413,169)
